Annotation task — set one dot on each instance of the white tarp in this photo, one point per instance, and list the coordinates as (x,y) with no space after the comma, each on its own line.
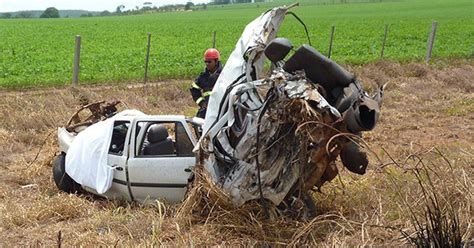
(256,35)
(86,158)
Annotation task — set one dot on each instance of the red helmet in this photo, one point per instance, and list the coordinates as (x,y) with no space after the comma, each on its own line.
(212,53)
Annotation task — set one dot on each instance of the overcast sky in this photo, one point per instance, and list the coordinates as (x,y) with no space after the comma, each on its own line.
(96,5)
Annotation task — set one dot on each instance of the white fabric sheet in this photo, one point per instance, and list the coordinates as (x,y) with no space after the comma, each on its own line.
(259,32)
(86,158)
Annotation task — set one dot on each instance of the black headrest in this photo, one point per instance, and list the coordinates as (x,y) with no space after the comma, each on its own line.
(157,133)
(318,68)
(277,49)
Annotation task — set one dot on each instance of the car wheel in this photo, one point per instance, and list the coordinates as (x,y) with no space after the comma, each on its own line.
(63,181)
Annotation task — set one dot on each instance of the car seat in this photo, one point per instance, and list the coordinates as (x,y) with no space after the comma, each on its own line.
(158,141)
(321,70)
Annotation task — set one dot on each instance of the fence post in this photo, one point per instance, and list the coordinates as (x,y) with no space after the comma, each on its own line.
(431,39)
(147,57)
(330,41)
(384,40)
(214,39)
(77,58)
(59,239)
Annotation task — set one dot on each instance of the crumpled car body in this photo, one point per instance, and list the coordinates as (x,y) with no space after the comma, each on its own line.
(276,137)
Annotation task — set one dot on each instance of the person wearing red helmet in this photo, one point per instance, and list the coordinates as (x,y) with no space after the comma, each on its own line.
(202,86)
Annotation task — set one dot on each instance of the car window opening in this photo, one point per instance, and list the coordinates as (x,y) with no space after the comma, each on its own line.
(165,139)
(119,134)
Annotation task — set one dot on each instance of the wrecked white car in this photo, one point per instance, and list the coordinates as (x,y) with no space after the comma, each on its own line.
(276,137)
(269,137)
(129,156)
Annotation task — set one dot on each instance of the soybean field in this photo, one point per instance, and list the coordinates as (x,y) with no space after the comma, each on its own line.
(39,52)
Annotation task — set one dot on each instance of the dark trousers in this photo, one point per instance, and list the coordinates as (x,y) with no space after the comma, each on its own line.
(201,113)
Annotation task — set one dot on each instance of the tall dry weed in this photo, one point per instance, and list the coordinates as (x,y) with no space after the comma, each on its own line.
(353,211)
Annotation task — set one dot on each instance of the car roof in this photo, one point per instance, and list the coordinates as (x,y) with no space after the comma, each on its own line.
(152,118)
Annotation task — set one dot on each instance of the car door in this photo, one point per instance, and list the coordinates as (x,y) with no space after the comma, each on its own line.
(117,158)
(161,164)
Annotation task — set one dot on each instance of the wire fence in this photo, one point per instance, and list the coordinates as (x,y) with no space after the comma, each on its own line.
(429,50)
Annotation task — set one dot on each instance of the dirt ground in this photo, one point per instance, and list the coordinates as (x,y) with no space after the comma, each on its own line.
(428,113)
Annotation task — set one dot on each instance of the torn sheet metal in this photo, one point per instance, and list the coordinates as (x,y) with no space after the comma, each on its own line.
(248,52)
(235,157)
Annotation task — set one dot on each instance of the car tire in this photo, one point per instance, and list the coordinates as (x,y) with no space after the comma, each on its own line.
(63,181)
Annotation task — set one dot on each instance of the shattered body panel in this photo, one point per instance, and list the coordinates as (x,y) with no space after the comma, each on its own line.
(283,139)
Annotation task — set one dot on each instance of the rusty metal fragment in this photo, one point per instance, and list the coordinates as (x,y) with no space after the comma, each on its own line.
(90,114)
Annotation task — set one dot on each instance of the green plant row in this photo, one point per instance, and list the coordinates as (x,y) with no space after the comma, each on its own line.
(39,52)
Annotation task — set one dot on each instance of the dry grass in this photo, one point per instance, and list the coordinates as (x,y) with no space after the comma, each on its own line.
(418,142)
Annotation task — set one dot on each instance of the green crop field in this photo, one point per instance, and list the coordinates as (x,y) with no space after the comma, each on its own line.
(39,52)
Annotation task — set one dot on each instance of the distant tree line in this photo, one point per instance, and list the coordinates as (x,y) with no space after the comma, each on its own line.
(147,7)
(21,14)
(236,1)
(48,13)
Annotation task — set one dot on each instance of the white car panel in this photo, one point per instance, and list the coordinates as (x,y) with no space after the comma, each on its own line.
(119,188)
(140,177)
(160,177)
(65,139)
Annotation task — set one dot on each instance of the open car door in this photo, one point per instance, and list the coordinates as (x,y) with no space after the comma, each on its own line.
(161,161)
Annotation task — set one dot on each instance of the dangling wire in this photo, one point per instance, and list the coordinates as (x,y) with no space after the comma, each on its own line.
(302,23)
(268,99)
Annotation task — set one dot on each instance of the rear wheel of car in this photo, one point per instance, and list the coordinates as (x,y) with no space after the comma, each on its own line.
(61,178)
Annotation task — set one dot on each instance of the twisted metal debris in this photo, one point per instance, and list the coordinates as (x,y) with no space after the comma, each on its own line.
(276,138)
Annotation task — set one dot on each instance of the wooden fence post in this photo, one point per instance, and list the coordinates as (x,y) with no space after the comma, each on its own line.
(384,40)
(431,40)
(214,39)
(147,57)
(60,241)
(77,58)
(330,41)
